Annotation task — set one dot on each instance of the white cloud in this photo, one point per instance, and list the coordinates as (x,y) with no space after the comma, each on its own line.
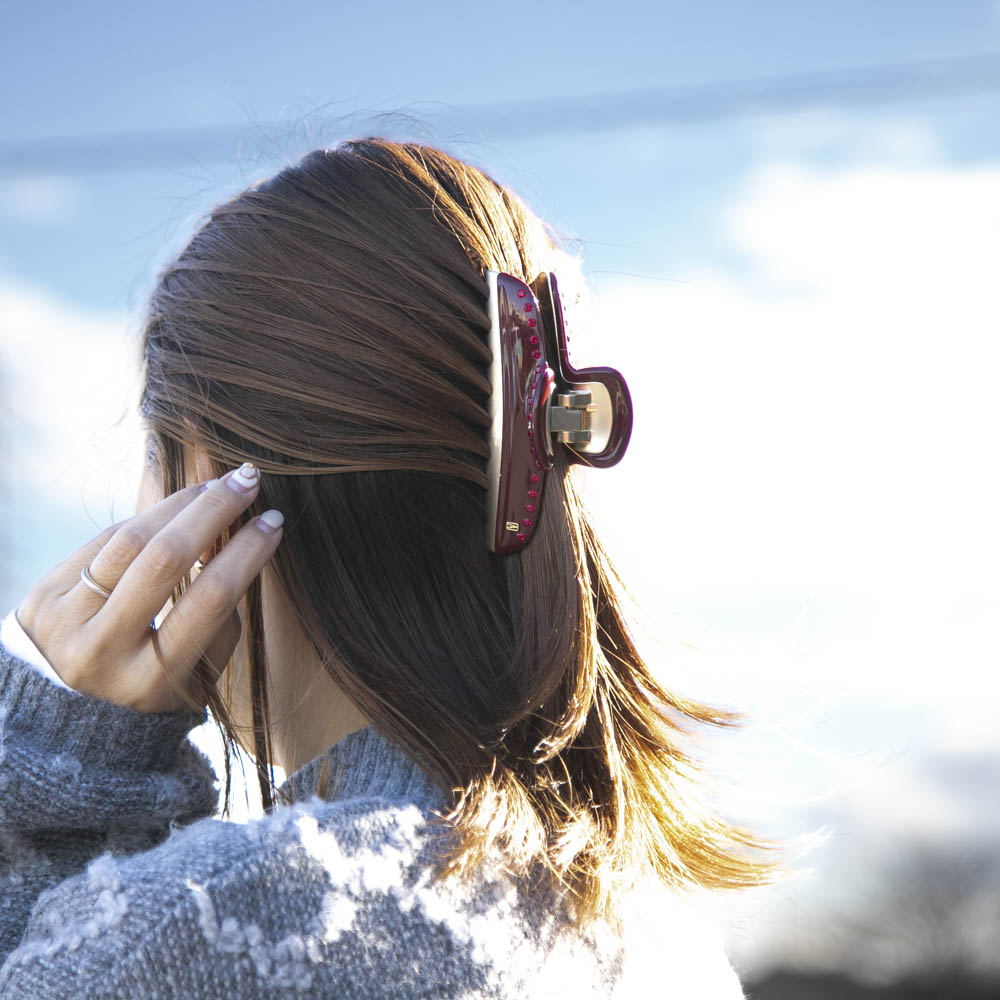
(873,233)
(70,374)
(70,384)
(824,427)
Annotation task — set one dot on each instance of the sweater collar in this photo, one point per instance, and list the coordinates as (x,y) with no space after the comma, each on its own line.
(364,764)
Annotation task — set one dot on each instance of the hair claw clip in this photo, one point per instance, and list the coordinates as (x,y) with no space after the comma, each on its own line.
(533,408)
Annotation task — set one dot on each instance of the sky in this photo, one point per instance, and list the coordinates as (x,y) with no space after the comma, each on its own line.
(801,300)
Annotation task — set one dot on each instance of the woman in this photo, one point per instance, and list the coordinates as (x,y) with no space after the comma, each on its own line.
(488,793)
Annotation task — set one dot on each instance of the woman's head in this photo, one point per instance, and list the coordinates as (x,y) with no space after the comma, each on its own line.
(330,324)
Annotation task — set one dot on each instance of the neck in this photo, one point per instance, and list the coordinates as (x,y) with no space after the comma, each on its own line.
(309,712)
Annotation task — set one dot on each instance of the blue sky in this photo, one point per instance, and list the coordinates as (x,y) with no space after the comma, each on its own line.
(808,499)
(113,68)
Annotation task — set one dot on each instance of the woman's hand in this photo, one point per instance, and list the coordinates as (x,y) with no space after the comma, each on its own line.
(104,647)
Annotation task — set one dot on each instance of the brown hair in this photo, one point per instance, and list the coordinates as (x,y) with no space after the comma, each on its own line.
(330,324)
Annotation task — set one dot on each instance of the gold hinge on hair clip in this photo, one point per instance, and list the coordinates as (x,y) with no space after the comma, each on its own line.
(569,418)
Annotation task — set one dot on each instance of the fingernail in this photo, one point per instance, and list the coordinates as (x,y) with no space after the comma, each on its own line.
(270,521)
(244,478)
(204,486)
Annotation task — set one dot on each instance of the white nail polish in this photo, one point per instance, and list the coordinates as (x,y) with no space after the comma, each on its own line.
(270,520)
(243,478)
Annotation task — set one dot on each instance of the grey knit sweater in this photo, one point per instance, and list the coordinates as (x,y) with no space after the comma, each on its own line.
(115,880)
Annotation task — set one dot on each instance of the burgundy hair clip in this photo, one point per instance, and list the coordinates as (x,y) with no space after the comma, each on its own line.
(532,408)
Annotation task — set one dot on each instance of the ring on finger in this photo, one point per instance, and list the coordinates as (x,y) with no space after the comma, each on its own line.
(90,582)
(87,579)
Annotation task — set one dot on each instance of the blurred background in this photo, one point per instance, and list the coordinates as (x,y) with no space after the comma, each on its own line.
(787,214)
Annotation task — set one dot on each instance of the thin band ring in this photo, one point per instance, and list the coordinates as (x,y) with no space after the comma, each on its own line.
(90,582)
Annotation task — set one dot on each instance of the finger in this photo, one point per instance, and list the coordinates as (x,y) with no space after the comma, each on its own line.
(107,562)
(61,578)
(195,620)
(66,575)
(106,556)
(153,574)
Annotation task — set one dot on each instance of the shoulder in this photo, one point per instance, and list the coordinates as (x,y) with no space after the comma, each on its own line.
(258,904)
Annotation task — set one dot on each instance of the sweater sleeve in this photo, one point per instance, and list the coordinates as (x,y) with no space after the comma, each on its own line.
(80,776)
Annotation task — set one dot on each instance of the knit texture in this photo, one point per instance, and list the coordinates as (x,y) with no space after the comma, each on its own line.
(116,880)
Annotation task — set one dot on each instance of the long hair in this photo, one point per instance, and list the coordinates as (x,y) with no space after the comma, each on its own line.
(330,325)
